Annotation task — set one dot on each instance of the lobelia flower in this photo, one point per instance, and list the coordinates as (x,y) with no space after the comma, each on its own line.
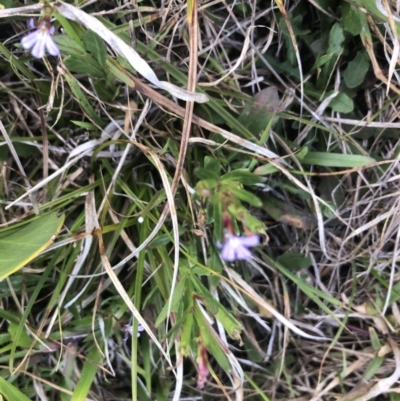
(40,39)
(236,248)
(129,330)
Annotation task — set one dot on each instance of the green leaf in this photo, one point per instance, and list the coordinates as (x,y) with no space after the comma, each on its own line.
(246,196)
(69,46)
(187,334)
(373,367)
(360,64)
(23,340)
(84,64)
(88,374)
(336,39)
(95,45)
(217,215)
(10,392)
(209,340)
(327,159)
(206,174)
(231,325)
(294,261)
(259,112)
(84,124)
(20,245)
(176,300)
(244,176)
(351,19)
(213,165)
(266,169)
(160,240)
(342,104)
(81,98)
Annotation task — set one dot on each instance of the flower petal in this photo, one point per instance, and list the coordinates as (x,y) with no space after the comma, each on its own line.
(251,240)
(228,252)
(29,40)
(31,23)
(51,46)
(242,253)
(38,48)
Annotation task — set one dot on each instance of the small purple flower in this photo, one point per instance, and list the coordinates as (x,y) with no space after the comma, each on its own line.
(129,330)
(236,248)
(40,39)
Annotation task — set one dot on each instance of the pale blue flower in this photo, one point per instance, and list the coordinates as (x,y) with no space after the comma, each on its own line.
(129,330)
(236,248)
(40,39)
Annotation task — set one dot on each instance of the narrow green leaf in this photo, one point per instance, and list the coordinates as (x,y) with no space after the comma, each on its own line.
(187,334)
(81,98)
(327,159)
(373,367)
(210,342)
(246,196)
(10,392)
(88,374)
(176,299)
(243,176)
(84,124)
(217,215)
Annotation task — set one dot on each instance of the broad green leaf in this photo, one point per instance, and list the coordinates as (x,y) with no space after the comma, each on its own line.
(69,46)
(95,45)
(10,392)
(356,70)
(213,165)
(206,174)
(327,159)
(23,340)
(84,64)
(351,19)
(342,104)
(336,39)
(20,245)
(260,110)
(294,261)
